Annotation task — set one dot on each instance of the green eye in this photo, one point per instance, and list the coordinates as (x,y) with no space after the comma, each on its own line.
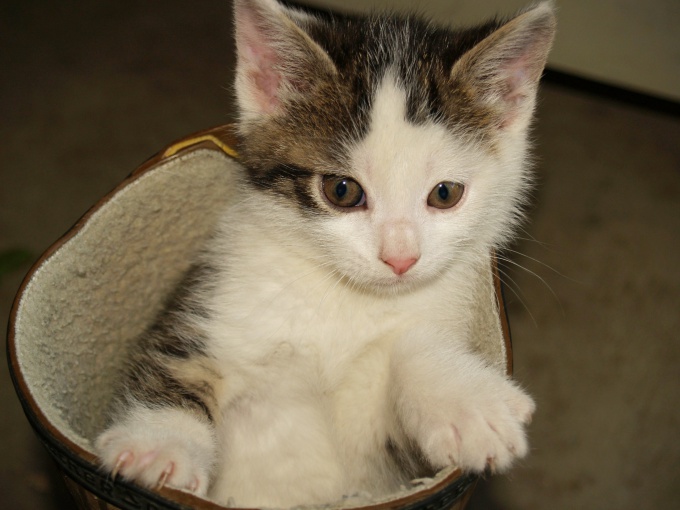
(343,191)
(445,195)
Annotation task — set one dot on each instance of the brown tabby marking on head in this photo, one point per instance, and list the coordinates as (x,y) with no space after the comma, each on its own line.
(444,73)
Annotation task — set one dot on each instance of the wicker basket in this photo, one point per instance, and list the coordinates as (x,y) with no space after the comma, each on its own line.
(99,286)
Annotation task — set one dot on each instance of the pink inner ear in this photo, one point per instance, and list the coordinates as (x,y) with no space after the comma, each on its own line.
(259,62)
(264,78)
(517,88)
(517,78)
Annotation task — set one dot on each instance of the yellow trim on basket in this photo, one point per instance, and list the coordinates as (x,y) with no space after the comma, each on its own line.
(175,148)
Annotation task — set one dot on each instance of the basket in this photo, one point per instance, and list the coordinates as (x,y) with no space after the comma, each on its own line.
(99,286)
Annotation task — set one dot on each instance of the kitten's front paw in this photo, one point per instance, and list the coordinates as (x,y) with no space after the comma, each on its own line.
(480,430)
(159,448)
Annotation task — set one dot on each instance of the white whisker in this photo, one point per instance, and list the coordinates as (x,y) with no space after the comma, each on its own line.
(540,278)
(515,290)
(547,266)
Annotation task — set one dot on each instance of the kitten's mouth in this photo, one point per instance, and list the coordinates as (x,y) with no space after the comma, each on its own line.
(397,283)
(384,285)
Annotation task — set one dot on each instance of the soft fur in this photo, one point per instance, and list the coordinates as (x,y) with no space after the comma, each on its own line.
(316,351)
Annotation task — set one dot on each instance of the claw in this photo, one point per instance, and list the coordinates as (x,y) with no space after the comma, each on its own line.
(491,462)
(193,486)
(164,475)
(122,459)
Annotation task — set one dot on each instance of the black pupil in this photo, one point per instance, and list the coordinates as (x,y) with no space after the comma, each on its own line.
(341,189)
(443,192)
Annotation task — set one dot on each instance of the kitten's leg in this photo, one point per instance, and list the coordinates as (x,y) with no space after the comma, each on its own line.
(160,446)
(163,431)
(459,410)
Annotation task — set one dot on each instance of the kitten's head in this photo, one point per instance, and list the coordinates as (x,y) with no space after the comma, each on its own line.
(399,144)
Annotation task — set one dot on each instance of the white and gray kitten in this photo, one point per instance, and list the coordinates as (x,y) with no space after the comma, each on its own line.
(319,347)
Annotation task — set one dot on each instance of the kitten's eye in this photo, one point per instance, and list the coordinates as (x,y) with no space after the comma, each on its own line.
(445,195)
(343,191)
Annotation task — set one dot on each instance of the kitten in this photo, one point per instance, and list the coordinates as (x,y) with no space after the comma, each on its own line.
(319,346)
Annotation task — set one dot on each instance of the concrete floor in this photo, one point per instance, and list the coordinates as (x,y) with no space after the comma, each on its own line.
(88,90)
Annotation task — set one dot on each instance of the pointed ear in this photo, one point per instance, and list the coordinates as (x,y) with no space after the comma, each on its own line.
(505,67)
(276,58)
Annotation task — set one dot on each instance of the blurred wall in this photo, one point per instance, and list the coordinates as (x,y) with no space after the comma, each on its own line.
(629,43)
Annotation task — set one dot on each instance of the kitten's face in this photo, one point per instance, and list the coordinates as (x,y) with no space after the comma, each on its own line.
(423,196)
(400,159)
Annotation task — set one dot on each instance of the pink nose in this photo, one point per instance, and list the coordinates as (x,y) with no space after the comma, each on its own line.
(400,266)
